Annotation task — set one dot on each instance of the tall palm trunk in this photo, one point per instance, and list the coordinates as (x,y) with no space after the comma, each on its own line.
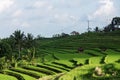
(19,51)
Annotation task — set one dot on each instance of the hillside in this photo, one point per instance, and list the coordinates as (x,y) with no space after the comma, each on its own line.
(85,40)
(59,59)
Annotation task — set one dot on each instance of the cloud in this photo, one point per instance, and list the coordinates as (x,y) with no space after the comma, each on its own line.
(16,23)
(51,15)
(40,4)
(5,4)
(106,9)
(70,3)
(17,13)
(25,24)
(43,4)
(63,18)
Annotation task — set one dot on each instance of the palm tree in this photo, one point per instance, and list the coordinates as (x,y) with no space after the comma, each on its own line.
(30,45)
(18,37)
(29,41)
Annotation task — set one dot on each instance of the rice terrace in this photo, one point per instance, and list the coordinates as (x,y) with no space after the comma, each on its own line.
(89,51)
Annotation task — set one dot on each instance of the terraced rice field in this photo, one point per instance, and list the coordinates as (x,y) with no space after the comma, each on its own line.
(69,65)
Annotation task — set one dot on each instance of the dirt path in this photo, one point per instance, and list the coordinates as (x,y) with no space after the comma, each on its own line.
(54,77)
(57,77)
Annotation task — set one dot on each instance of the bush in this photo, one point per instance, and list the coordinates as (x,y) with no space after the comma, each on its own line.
(22,63)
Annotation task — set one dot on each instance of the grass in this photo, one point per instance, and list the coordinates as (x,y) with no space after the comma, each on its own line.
(50,68)
(79,71)
(112,58)
(26,77)
(92,41)
(38,69)
(95,60)
(86,72)
(57,66)
(64,63)
(81,60)
(28,72)
(7,77)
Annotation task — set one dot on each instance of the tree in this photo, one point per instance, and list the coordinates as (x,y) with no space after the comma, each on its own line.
(96,29)
(5,50)
(74,33)
(64,35)
(115,23)
(29,41)
(30,45)
(39,37)
(107,28)
(56,35)
(31,54)
(18,37)
(9,41)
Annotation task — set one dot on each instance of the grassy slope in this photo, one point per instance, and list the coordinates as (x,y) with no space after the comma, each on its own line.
(65,49)
(110,40)
(7,77)
(85,73)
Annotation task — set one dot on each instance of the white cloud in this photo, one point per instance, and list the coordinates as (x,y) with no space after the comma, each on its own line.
(5,4)
(64,18)
(17,13)
(43,5)
(40,4)
(25,24)
(69,3)
(106,9)
(17,23)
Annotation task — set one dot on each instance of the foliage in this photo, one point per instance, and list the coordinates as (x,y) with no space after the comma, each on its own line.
(5,50)
(18,37)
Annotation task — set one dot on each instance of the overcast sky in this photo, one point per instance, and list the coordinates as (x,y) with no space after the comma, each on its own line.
(48,17)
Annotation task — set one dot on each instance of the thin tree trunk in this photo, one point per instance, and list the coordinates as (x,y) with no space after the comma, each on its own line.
(19,51)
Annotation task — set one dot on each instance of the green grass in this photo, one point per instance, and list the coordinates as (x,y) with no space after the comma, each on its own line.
(95,60)
(57,66)
(41,70)
(86,72)
(81,60)
(7,77)
(54,69)
(71,56)
(93,53)
(26,77)
(93,40)
(64,63)
(112,58)
(62,54)
(78,72)
(28,72)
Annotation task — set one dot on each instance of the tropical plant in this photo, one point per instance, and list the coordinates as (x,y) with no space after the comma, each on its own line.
(19,38)
(5,50)
(29,41)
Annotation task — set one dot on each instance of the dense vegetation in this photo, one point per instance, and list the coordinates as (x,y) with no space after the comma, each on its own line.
(93,55)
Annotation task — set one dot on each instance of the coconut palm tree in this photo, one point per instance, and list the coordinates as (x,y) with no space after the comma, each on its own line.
(19,38)
(29,40)
(30,45)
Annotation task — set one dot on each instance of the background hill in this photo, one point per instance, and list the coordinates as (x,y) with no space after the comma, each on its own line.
(85,40)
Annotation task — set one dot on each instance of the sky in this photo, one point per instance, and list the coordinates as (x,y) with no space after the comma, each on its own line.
(48,17)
